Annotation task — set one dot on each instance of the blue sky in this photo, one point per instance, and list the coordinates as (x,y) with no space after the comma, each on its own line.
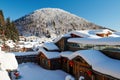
(102,12)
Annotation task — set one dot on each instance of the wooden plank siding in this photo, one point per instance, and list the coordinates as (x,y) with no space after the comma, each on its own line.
(65,64)
(62,44)
(43,61)
(81,68)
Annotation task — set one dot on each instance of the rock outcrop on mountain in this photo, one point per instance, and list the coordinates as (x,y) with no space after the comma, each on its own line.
(51,22)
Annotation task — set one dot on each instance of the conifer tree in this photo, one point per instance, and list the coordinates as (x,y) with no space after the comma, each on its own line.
(2,22)
(7,29)
(11,32)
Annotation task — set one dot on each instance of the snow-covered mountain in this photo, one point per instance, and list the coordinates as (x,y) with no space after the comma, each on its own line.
(51,22)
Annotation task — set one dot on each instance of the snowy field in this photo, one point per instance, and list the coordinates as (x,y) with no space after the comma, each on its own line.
(31,71)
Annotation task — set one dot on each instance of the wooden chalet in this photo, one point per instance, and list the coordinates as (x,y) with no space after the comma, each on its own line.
(82,70)
(48,57)
(90,70)
(77,66)
(48,63)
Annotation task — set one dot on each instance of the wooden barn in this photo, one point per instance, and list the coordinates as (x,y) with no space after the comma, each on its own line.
(48,57)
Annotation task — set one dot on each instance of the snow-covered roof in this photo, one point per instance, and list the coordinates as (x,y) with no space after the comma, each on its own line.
(89,33)
(97,41)
(86,33)
(66,53)
(99,31)
(115,34)
(99,62)
(80,33)
(50,46)
(4,75)
(8,61)
(49,55)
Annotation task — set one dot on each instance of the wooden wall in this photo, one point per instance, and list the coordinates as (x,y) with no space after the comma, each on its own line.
(64,64)
(81,68)
(26,58)
(62,44)
(55,63)
(43,61)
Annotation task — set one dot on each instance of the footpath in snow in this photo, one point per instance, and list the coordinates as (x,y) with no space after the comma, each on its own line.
(32,71)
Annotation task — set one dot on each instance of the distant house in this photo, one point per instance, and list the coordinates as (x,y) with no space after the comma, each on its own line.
(104,33)
(25,46)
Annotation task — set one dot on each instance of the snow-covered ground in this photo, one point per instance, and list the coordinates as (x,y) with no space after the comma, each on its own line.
(32,71)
